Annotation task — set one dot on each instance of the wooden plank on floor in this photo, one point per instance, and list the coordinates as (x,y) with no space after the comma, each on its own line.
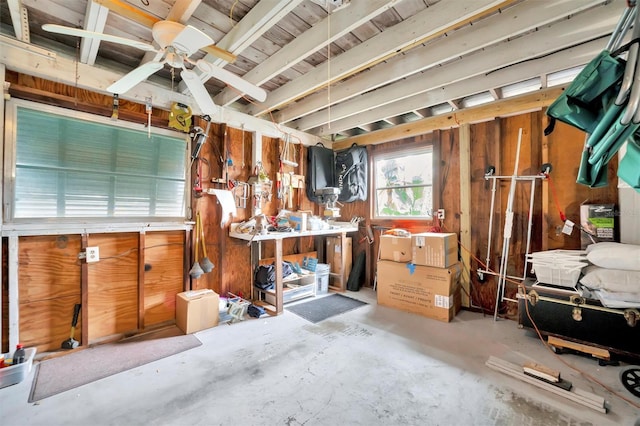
(584,398)
(595,352)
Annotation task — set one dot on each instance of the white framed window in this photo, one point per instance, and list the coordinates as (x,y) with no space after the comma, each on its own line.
(69,166)
(403,184)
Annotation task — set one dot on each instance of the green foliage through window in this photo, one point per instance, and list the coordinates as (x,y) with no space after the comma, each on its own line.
(403,184)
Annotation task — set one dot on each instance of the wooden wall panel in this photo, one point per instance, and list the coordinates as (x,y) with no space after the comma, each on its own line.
(485,152)
(49,286)
(46,323)
(113,285)
(48,267)
(449,176)
(565,146)
(163,258)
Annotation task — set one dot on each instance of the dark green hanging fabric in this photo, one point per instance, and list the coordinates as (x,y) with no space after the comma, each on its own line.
(584,103)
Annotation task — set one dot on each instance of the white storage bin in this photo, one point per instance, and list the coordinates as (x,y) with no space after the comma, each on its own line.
(322,278)
(17,373)
(564,273)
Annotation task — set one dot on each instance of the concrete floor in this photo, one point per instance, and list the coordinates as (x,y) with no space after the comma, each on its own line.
(370,366)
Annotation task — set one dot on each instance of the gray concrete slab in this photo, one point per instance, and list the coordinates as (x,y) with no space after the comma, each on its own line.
(369,366)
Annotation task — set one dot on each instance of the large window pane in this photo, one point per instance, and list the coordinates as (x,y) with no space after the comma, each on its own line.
(403,184)
(67,167)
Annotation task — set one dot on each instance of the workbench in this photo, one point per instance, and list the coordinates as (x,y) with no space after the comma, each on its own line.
(337,229)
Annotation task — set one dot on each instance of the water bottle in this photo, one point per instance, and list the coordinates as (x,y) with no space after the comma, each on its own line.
(19,354)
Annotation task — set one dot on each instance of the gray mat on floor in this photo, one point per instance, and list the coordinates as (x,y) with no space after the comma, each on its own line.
(325,307)
(84,366)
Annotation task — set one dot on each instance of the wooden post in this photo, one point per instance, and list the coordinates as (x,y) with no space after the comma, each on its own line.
(465,211)
(141,247)
(544,228)
(279,286)
(84,292)
(13,295)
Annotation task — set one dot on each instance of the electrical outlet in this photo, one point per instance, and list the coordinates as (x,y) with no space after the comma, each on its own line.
(92,254)
(441,214)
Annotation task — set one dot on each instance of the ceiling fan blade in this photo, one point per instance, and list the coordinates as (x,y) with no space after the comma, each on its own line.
(134,77)
(190,40)
(198,91)
(60,29)
(209,70)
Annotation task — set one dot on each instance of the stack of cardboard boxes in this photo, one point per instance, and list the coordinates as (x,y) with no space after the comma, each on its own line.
(420,274)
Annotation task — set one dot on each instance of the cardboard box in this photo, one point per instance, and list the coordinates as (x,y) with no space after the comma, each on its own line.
(599,221)
(333,255)
(197,310)
(434,249)
(394,248)
(423,290)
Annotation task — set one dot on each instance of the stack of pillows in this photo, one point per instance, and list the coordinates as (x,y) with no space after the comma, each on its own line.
(614,274)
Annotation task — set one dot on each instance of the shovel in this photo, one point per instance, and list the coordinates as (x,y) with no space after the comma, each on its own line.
(72,343)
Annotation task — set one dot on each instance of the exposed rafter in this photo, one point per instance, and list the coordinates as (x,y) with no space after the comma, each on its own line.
(95,19)
(315,38)
(19,19)
(564,34)
(480,36)
(417,29)
(558,61)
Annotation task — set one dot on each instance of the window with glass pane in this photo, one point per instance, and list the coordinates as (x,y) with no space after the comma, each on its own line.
(67,167)
(403,184)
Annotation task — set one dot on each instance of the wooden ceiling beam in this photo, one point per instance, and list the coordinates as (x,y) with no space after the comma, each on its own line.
(485,33)
(95,19)
(18,14)
(530,69)
(315,38)
(528,102)
(430,22)
(496,93)
(253,25)
(182,10)
(259,20)
(561,35)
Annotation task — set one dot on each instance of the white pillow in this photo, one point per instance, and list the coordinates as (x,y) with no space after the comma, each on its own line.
(615,256)
(611,279)
(601,246)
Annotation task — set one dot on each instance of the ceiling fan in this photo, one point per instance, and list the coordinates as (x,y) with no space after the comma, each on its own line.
(177,42)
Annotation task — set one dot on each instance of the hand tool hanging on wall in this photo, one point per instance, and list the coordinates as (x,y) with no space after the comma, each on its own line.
(199,137)
(197,183)
(205,263)
(114,107)
(223,161)
(196,270)
(279,189)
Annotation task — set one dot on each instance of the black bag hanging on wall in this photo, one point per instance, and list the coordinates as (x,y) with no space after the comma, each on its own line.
(320,170)
(351,174)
